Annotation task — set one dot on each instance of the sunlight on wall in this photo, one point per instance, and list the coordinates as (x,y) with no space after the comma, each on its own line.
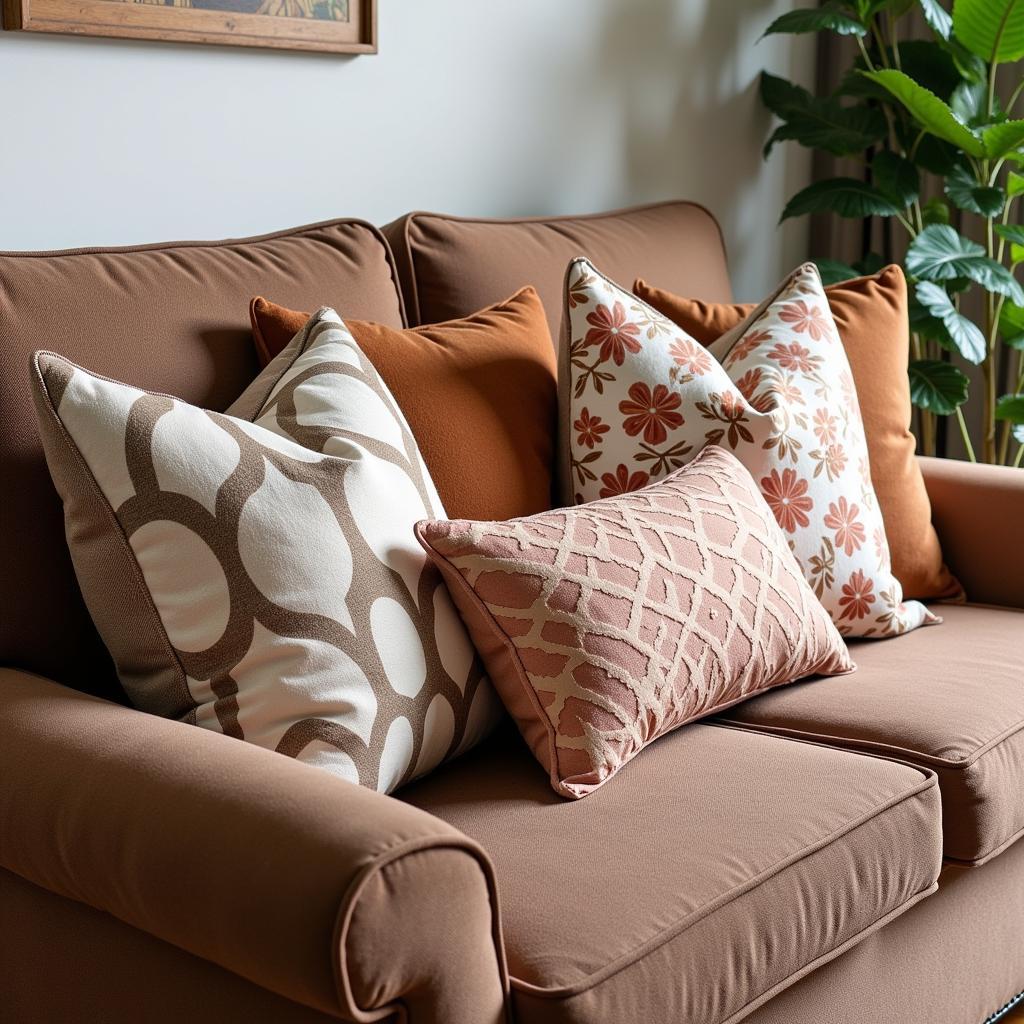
(494,108)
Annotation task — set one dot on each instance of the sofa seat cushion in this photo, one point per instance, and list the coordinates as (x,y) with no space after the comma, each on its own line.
(950,699)
(716,870)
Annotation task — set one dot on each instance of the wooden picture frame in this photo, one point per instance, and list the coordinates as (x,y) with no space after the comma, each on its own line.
(325,26)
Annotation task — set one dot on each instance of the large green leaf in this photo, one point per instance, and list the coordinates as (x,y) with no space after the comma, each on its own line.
(937,17)
(1011,232)
(935,155)
(782,97)
(928,63)
(937,386)
(935,211)
(1011,407)
(896,177)
(1011,325)
(834,271)
(826,124)
(969,101)
(819,122)
(928,326)
(939,253)
(830,17)
(1014,184)
(991,29)
(849,197)
(1001,139)
(928,110)
(1014,234)
(963,189)
(965,335)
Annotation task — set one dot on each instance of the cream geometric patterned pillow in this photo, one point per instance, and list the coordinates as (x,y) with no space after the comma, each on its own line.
(639,397)
(259,576)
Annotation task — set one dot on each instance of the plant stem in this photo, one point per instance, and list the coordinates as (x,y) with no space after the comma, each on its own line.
(864,53)
(1014,96)
(1020,456)
(1004,443)
(895,37)
(988,426)
(965,434)
(908,227)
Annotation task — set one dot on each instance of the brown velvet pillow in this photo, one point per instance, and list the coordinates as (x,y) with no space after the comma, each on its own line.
(871,315)
(479,395)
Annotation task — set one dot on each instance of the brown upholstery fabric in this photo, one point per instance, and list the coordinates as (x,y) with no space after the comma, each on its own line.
(955,958)
(950,699)
(165,318)
(451,266)
(479,394)
(978,512)
(264,866)
(713,871)
(72,963)
(871,315)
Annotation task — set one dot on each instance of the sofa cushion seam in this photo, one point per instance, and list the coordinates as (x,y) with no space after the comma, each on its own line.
(850,743)
(625,960)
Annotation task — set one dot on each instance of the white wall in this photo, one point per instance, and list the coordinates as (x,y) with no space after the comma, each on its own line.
(487,107)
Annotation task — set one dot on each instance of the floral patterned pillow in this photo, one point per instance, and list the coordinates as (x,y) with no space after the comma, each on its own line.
(640,397)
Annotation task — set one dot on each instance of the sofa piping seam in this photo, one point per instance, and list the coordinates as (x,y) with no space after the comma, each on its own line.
(848,743)
(350,901)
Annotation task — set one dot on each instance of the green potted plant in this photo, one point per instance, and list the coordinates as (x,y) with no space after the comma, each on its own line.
(931,125)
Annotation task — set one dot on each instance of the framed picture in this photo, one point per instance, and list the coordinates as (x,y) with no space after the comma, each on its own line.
(329,26)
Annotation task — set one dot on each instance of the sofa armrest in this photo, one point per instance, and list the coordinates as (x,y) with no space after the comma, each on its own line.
(327,893)
(978,512)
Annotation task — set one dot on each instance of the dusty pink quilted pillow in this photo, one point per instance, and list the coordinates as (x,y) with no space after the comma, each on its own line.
(607,625)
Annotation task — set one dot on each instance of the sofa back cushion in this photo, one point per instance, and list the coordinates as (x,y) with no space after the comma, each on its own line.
(169,318)
(453,266)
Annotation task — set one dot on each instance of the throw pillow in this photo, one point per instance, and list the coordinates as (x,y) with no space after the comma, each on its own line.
(607,625)
(871,316)
(261,578)
(479,394)
(641,397)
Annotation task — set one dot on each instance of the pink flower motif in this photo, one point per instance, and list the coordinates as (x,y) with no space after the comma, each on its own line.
(690,356)
(787,498)
(613,333)
(786,390)
(802,317)
(824,426)
(857,597)
(589,429)
(622,481)
(747,344)
(850,533)
(653,412)
(849,390)
(794,357)
(747,386)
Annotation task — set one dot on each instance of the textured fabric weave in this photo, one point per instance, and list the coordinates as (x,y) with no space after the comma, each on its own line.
(607,625)
(276,592)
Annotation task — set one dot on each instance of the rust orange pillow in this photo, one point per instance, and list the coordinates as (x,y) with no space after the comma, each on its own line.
(871,315)
(479,395)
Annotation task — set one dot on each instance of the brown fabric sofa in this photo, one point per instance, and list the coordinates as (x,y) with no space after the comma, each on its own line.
(842,850)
